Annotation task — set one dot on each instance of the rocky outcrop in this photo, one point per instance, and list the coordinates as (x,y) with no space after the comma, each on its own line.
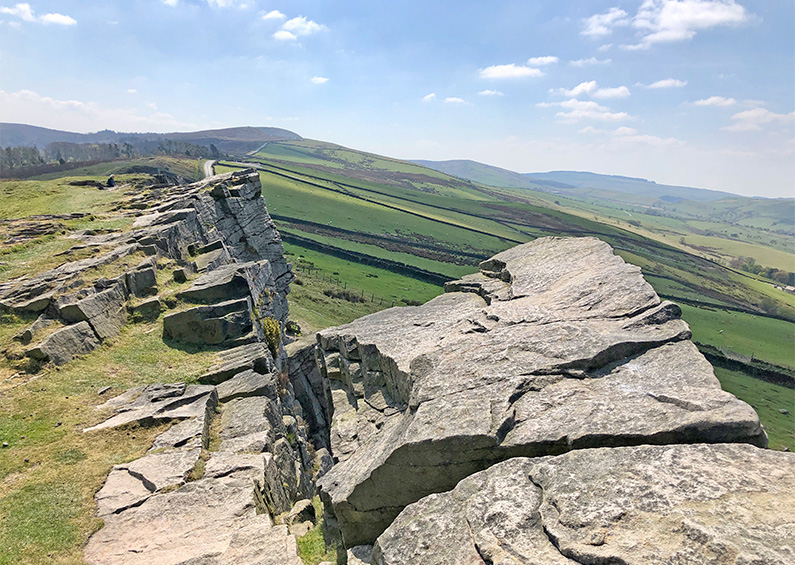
(218,228)
(687,504)
(557,345)
(237,454)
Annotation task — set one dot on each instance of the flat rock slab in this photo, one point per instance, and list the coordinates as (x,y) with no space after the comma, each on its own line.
(199,520)
(253,356)
(248,383)
(556,345)
(160,402)
(684,504)
(130,484)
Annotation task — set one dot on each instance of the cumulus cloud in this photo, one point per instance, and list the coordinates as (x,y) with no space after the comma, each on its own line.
(548,60)
(578,110)
(580,89)
(668,83)
(600,25)
(665,21)
(490,93)
(715,101)
(301,26)
(589,61)
(24,12)
(283,35)
(754,119)
(319,80)
(171,3)
(429,97)
(616,92)
(58,19)
(454,100)
(591,88)
(510,71)
(273,15)
(26,106)
(132,91)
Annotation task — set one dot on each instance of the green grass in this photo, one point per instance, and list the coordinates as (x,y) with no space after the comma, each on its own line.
(371,281)
(313,547)
(51,469)
(763,338)
(21,198)
(768,400)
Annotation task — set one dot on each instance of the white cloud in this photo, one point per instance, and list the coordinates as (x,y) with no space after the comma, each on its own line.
(664,21)
(605,47)
(753,120)
(454,100)
(617,92)
(490,93)
(282,35)
(715,101)
(584,110)
(221,3)
(132,91)
(624,137)
(24,12)
(668,83)
(171,3)
(548,60)
(510,71)
(589,61)
(301,26)
(429,97)
(29,107)
(590,88)
(319,80)
(273,15)
(582,88)
(58,19)
(599,25)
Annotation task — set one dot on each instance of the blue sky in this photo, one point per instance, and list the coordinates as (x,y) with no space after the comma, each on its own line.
(691,92)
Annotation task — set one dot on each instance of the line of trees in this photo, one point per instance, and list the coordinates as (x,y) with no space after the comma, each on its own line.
(64,152)
(749,265)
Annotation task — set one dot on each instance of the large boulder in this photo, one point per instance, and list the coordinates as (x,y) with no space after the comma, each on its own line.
(64,344)
(223,323)
(557,345)
(646,505)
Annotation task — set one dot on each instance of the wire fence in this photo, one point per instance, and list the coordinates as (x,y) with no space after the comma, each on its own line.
(349,292)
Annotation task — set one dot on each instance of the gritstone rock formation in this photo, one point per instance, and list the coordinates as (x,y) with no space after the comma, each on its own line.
(645,505)
(556,345)
(187,500)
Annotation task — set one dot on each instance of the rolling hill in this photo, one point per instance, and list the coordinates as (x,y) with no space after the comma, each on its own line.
(229,140)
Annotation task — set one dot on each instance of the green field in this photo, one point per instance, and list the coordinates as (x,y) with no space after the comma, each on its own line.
(768,400)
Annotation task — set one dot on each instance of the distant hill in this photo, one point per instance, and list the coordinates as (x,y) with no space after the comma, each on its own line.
(229,140)
(575,183)
(629,185)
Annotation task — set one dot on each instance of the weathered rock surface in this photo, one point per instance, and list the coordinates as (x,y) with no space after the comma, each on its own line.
(685,504)
(253,356)
(216,324)
(558,345)
(160,402)
(63,345)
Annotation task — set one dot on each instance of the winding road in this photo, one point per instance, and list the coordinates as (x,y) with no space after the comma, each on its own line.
(208,168)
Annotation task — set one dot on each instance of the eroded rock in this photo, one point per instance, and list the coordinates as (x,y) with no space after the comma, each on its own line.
(687,504)
(577,351)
